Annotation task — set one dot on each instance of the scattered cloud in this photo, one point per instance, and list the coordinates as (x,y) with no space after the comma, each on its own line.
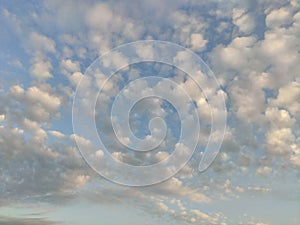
(251,46)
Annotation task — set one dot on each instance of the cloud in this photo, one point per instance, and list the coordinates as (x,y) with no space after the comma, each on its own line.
(41,70)
(102,20)
(279,17)
(280,141)
(264,171)
(69,66)
(197,42)
(40,43)
(252,47)
(39,46)
(32,168)
(295,156)
(56,133)
(176,187)
(41,103)
(243,20)
(288,97)
(26,221)
(279,117)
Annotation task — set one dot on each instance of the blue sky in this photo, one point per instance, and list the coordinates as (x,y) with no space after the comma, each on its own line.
(252,47)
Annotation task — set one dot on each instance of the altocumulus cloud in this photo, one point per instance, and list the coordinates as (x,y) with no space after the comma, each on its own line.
(252,47)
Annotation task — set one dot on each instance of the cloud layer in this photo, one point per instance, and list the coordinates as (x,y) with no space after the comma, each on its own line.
(251,46)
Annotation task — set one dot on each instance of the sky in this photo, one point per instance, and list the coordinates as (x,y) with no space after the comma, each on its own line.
(53,171)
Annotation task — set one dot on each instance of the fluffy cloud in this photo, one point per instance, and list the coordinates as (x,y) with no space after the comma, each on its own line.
(69,66)
(288,98)
(295,156)
(41,103)
(41,70)
(243,20)
(279,17)
(56,133)
(41,43)
(40,46)
(257,66)
(31,168)
(31,165)
(252,70)
(176,187)
(197,42)
(100,20)
(279,117)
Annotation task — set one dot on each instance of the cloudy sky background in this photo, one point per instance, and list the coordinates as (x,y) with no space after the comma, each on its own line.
(252,47)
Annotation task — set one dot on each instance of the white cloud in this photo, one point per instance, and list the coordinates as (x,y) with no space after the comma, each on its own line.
(17,91)
(176,187)
(243,20)
(41,69)
(75,78)
(280,141)
(81,180)
(39,134)
(279,117)
(33,168)
(37,103)
(249,68)
(161,155)
(25,221)
(264,171)
(248,104)
(56,133)
(288,97)
(81,140)
(69,66)
(162,206)
(279,17)
(41,43)
(99,153)
(198,43)
(41,104)
(2,117)
(295,156)
(201,216)
(116,61)
(100,16)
